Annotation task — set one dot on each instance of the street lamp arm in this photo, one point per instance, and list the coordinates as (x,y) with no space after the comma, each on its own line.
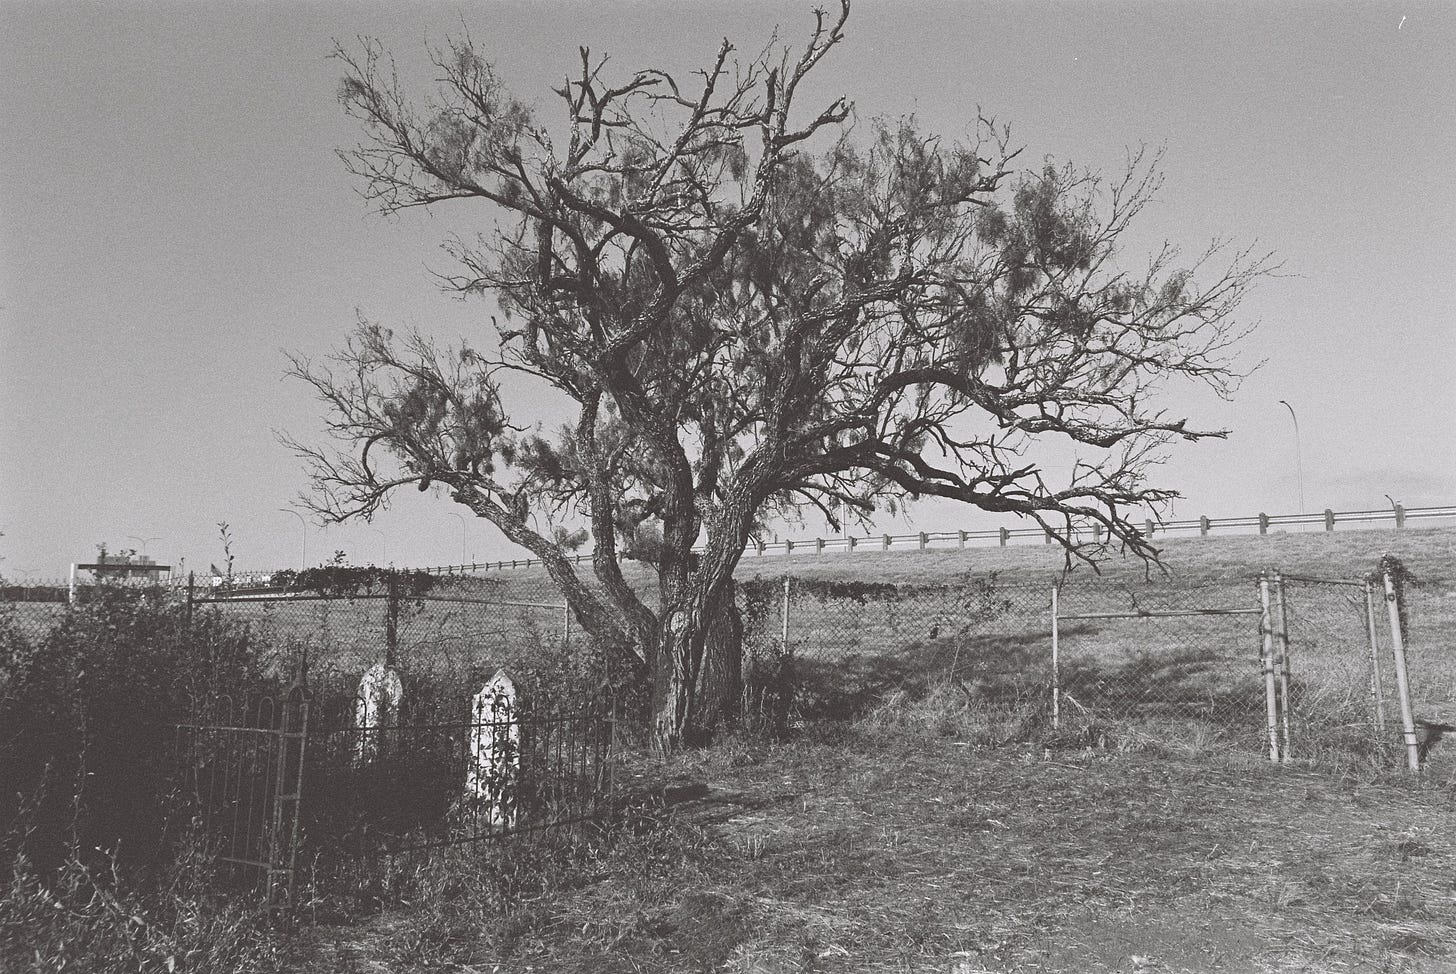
(1298,458)
(304,525)
(457,515)
(1286,405)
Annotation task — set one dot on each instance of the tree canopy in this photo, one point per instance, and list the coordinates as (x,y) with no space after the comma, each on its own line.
(755,306)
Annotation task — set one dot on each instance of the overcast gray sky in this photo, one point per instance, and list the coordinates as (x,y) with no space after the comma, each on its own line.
(174,217)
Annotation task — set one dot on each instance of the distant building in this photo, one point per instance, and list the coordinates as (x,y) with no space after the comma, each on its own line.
(127,566)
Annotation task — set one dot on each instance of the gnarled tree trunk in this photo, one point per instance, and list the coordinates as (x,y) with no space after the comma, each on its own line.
(720,685)
(698,677)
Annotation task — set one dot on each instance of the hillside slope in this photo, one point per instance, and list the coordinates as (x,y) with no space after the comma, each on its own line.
(1430,553)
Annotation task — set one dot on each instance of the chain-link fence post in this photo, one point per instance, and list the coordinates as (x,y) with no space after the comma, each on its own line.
(1282,646)
(1402,678)
(391,620)
(1056,664)
(1266,653)
(784,635)
(1376,692)
(191,599)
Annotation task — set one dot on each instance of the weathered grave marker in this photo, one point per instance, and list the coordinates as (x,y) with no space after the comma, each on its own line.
(376,708)
(493,775)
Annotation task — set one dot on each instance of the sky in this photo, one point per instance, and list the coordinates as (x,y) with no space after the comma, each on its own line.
(174,219)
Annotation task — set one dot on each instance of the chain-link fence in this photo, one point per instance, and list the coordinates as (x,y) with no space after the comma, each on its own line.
(1373,667)
(816,650)
(1296,668)
(1175,660)
(447,634)
(1167,664)
(1163,661)
(1430,646)
(30,611)
(1342,680)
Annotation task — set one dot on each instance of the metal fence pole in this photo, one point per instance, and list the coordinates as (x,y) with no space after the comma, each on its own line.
(1056,666)
(1282,644)
(1266,649)
(1402,681)
(391,621)
(785,620)
(191,598)
(1376,690)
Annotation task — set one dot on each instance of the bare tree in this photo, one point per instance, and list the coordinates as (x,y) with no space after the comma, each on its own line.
(753,312)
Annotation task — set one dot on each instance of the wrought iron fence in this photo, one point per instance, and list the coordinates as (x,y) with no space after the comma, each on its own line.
(240,773)
(303,790)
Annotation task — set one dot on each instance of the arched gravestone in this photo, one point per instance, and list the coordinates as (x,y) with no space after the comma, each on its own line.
(376,708)
(493,775)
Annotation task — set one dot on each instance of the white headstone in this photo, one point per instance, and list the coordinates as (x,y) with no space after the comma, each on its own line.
(495,752)
(376,706)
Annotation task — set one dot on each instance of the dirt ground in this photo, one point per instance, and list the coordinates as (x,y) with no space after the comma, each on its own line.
(863,850)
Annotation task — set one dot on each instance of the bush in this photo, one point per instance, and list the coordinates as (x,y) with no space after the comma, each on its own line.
(87,711)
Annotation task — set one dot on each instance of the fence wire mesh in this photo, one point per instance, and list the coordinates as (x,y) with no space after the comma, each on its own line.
(816,650)
(1163,663)
(443,637)
(30,611)
(1341,680)
(1174,665)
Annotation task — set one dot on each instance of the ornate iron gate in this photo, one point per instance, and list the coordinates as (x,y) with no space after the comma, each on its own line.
(241,765)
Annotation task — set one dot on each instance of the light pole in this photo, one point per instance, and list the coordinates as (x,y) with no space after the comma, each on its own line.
(1298,461)
(461,519)
(303,524)
(384,561)
(142,541)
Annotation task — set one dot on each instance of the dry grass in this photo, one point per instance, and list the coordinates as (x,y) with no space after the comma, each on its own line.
(888,847)
(74,919)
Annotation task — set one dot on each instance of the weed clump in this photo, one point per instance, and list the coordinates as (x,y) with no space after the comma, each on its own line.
(78,917)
